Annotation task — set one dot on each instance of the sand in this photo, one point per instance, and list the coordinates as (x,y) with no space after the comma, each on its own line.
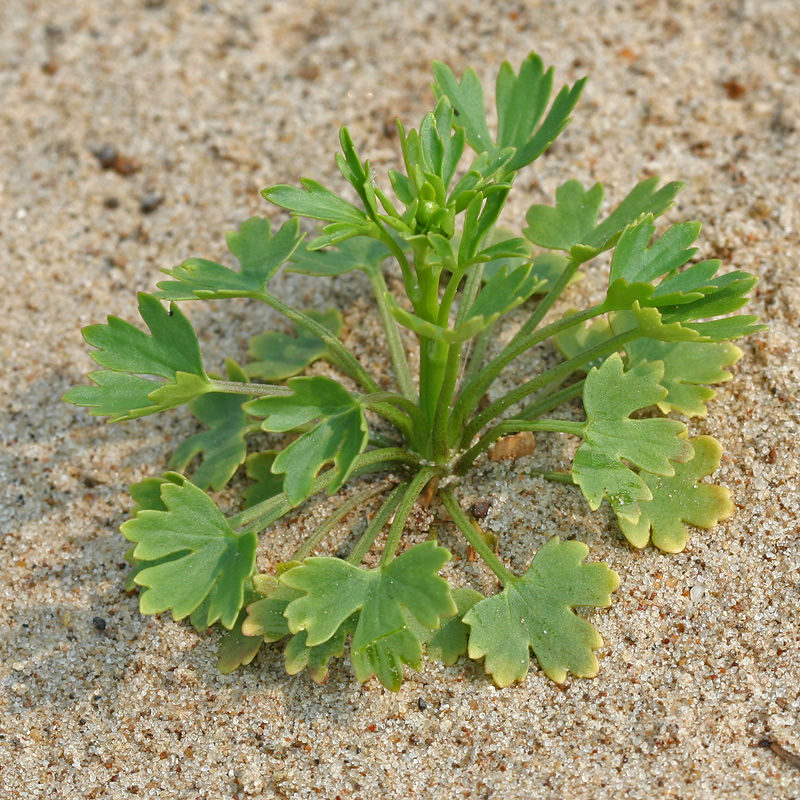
(208,102)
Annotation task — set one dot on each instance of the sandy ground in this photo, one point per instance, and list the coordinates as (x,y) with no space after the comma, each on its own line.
(208,102)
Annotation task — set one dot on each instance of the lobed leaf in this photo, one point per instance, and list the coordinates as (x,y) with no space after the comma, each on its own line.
(235,649)
(689,366)
(611,438)
(554,123)
(259,253)
(449,642)
(209,561)
(637,261)
(299,656)
(466,98)
(340,435)
(572,223)
(521,100)
(681,498)
(277,356)
(316,202)
(359,252)
(535,612)
(258,467)
(334,590)
(503,292)
(689,369)
(170,351)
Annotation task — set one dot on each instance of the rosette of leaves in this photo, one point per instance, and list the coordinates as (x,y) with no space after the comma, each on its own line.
(303,415)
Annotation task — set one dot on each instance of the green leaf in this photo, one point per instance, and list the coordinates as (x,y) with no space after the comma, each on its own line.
(681,498)
(521,100)
(503,292)
(146,494)
(452,146)
(259,253)
(316,202)
(611,438)
(382,642)
(210,560)
(450,641)
(277,356)
(356,172)
(235,649)
(554,123)
(265,617)
(267,484)
(340,435)
(535,612)
(466,98)
(299,656)
(222,445)
(650,322)
(637,261)
(170,351)
(688,365)
(573,221)
(688,369)
(115,395)
(171,346)
(359,252)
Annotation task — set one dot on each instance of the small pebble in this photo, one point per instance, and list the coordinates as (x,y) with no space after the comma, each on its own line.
(99,623)
(106,155)
(421,704)
(697,593)
(150,202)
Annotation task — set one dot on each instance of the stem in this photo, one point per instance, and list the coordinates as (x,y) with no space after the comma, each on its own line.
(379,400)
(376,525)
(557,373)
(559,477)
(259,389)
(515,426)
(464,524)
(346,358)
(335,518)
(432,366)
(470,292)
(551,401)
(396,349)
(405,267)
(547,301)
(476,357)
(486,377)
(272,509)
(404,508)
(441,422)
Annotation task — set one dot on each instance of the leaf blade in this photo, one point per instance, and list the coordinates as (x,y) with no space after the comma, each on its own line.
(535,612)
(210,561)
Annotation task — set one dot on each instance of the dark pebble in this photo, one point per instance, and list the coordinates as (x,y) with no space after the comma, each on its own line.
(99,623)
(421,704)
(150,202)
(111,202)
(106,155)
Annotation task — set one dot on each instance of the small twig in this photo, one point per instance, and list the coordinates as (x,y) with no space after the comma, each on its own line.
(781,752)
